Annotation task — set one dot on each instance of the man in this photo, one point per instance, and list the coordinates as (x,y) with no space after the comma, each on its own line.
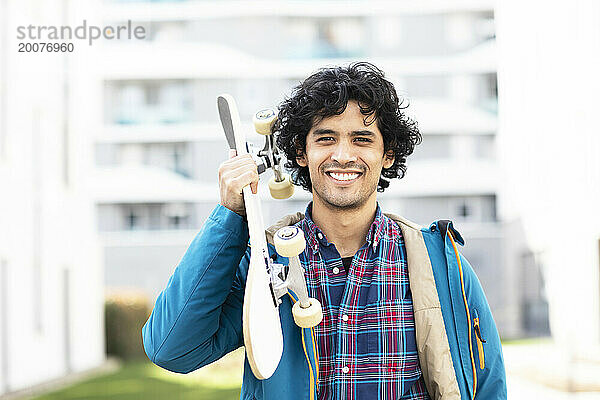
(404,316)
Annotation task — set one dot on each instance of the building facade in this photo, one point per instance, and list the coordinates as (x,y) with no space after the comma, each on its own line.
(51,286)
(549,147)
(159,144)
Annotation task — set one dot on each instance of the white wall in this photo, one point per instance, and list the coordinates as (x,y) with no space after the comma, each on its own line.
(549,58)
(47,231)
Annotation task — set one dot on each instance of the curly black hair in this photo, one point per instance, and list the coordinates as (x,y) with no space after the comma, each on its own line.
(326,93)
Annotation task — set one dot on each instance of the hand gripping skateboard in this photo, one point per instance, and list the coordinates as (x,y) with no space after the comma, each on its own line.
(266,281)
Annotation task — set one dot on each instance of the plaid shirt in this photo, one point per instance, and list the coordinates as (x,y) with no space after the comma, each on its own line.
(366,342)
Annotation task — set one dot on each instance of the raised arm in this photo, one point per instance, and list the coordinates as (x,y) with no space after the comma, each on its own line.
(197,318)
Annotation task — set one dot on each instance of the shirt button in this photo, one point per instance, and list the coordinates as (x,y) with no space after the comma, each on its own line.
(345,370)
(336,270)
(320,235)
(345,318)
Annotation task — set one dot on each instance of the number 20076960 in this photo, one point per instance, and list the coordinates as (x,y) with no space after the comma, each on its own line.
(46,47)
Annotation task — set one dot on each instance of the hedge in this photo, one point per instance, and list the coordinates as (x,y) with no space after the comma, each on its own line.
(125,314)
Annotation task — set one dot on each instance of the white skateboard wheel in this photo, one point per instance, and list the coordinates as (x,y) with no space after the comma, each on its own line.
(264,120)
(281,190)
(289,241)
(309,316)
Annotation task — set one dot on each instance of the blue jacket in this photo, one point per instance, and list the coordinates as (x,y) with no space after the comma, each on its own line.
(197,318)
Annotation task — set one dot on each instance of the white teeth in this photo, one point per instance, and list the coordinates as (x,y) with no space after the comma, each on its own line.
(343,176)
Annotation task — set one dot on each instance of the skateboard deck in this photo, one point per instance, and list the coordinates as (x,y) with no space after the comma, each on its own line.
(263,338)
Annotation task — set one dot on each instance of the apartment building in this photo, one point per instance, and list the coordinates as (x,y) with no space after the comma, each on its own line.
(158,142)
(549,147)
(51,281)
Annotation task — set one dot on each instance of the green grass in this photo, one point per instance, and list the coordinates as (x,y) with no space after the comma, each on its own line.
(143,380)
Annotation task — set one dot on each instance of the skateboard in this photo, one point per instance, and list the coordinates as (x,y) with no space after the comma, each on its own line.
(267,281)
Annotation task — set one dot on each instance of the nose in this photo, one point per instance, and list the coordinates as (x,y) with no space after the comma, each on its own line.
(343,153)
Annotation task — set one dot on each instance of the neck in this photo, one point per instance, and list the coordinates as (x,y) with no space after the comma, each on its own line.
(346,228)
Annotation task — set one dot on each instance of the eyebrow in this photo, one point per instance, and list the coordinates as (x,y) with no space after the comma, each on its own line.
(326,131)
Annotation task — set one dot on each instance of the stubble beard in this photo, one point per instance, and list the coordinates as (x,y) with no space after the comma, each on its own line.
(342,199)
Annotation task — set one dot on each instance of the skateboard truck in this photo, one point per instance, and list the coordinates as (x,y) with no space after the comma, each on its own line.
(266,281)
(280,185)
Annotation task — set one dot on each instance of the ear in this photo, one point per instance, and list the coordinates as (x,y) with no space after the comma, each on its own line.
(389,158)
(301,158)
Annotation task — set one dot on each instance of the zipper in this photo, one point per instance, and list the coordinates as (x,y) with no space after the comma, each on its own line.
(316,355)
(310,370)
(480,340)
(462,283)
(313,383)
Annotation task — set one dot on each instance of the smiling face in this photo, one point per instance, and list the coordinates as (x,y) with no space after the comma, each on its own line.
(345,157)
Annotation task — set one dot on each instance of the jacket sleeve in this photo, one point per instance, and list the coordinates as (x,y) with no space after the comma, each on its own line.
(197,318)
(487,349)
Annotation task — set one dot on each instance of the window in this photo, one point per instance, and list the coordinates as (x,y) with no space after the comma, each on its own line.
(484,147)
(427,86)
(105,154)
(432,147)
(532,297)
(175,157)
(488,92)
(152,93)
(464,209)
(474,209)
(147,216)
(485,28)
(149,101)
(491,85)
(132,219)
(177,215)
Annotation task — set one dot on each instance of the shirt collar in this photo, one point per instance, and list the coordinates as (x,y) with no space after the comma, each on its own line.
(312,229)
(315,235)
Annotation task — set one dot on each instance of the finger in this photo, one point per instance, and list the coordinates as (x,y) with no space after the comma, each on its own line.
(239,160)
(237,169)
(254,187)
(243,180)
(237,163)
(232,153)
